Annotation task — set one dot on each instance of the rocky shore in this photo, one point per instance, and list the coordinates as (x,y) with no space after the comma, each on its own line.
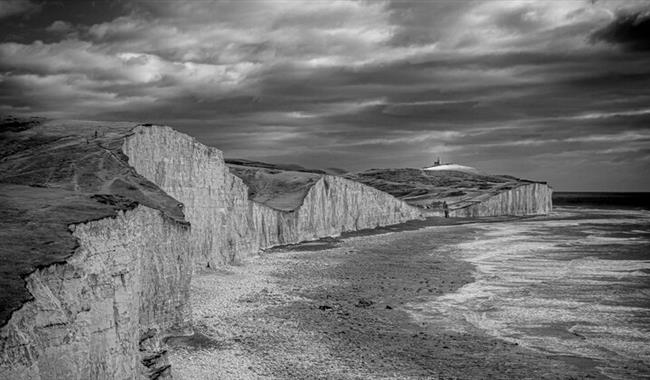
(338,308)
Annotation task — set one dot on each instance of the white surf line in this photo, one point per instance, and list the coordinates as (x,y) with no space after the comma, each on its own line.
(510,265)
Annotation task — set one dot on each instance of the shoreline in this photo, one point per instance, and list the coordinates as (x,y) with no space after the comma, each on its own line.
(337,308)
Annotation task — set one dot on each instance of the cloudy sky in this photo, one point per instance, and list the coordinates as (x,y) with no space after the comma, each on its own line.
(556,90)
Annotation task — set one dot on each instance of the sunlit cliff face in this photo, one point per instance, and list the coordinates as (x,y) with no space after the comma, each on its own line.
(549,90)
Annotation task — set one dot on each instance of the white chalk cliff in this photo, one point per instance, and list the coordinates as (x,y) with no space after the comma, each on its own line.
(102,311)
(467,194)
(226,225)
(100,314)
(523,200)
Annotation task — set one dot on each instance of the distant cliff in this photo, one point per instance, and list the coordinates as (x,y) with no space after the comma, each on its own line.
(226,225)
(522,200)
(466,194)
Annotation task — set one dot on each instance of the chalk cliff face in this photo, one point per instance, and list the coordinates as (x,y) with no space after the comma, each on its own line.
(95,301)
(100,314)
(226,225)
(332,206)
(530,199)
(195,175)
(105,273)
(95,265)
(466,194)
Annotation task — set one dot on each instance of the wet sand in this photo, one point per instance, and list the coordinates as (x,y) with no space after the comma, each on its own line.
(338,309)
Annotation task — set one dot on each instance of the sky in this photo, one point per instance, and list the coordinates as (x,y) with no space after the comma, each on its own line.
(546,90)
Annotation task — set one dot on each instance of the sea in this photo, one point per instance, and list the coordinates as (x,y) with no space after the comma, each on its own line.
(574,284)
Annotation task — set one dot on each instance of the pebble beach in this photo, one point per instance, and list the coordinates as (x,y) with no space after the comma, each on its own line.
(339,308)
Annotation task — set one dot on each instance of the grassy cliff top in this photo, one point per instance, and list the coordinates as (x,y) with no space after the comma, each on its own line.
(54,174)
(282,190)
(283,187)
(265,165)
(428,189)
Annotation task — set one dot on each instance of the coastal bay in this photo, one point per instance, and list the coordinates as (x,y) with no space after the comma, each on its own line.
(342,308)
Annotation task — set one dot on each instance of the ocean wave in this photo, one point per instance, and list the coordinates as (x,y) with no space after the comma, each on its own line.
(556,286)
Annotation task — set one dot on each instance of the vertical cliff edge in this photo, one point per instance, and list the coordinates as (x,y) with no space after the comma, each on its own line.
(467,194)
(98,252)
(226,225)
(95,262)
(102,313)
(522,200)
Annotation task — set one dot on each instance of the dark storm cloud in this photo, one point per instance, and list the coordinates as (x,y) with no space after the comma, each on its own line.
(49,21)
(537,89)
(23,8)
(630,30)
